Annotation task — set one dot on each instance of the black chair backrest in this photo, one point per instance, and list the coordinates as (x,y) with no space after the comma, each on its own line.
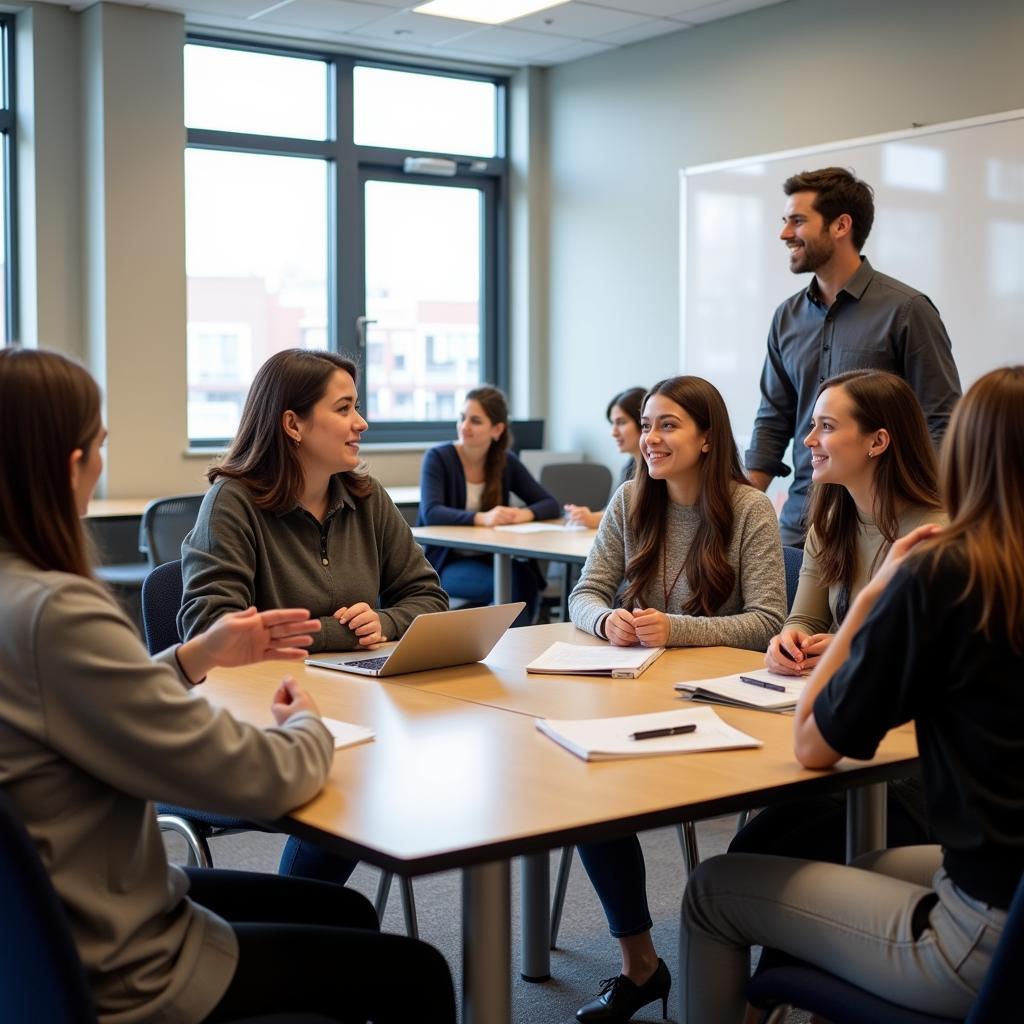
(793,559)
(999,997)
(165,522)
(578,483)
(41,977)
(161,600)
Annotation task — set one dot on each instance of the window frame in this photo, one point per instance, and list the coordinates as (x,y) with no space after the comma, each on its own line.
(8,137)
(348,168)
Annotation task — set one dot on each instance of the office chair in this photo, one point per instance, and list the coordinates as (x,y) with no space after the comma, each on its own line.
(41,976)
(161,599)
(812,989)
(165,524)
(572,483)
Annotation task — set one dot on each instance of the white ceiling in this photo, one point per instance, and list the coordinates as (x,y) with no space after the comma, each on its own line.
(576,29)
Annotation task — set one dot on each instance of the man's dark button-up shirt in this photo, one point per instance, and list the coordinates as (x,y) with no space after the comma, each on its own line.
(876,322)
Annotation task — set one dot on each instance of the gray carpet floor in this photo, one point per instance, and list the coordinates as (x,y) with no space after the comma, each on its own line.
(585,951)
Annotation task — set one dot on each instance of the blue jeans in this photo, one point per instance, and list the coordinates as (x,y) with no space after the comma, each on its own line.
(300,859)
(619,876)
(473,579)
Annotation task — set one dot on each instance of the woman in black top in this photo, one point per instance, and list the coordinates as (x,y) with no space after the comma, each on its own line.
(937,638)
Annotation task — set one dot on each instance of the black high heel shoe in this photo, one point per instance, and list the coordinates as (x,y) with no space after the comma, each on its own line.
(620,998)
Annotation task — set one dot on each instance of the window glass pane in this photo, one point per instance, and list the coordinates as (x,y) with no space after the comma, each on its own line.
(256,259)
(258,93)
(405,110)
(423,291)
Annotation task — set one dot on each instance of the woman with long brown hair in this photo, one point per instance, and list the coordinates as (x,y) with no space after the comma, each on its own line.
(92,729)
(469,482)
(937,638)
(874,480)
(698,552)
(293,518)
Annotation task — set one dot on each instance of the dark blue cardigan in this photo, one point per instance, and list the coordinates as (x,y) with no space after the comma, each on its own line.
(443,495)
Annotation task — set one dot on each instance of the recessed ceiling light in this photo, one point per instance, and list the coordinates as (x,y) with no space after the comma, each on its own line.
(487,12)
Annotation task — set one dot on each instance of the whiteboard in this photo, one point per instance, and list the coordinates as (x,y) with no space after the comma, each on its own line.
(949,221)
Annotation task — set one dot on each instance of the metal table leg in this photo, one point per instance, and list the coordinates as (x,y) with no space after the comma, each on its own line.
(502,578)
(866,808)
(534,874)
(487,944)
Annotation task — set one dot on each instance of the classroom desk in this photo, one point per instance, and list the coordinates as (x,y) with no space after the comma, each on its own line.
(450,782)
(558,545)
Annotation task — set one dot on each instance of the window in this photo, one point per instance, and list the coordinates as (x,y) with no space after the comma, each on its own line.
(8,280)
(313,220)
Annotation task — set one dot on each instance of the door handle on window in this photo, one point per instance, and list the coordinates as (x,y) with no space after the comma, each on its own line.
(362,322)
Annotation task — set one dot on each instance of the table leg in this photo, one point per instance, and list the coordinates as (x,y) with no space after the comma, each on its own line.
(534,872)
(866,808)
(487,944)
(502,578)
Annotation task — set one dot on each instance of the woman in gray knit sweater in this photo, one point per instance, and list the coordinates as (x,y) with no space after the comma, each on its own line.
(696,552)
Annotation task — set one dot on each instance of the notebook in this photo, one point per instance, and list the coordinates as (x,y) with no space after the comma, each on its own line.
(605,739)
(433,640)
(759,688)
(346,734)
(562,659)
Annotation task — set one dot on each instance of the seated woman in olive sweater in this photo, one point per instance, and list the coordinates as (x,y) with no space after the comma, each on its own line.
(294,519)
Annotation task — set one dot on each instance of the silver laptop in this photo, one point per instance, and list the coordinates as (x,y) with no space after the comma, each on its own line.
(433,640)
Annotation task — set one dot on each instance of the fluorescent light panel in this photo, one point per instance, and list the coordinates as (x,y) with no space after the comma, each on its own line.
(487,12)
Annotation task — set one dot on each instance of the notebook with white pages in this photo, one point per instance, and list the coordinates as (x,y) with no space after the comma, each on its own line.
(563,659)
(346,734)
(606,739)
(759,688)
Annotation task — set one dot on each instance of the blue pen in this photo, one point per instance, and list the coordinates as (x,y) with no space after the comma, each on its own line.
(763,683)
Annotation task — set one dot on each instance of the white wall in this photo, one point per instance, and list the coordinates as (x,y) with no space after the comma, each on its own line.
(622,125)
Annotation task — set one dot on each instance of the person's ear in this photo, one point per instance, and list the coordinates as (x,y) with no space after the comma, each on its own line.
(879,442)
(75,460)
(291,425)
(497,430)
(842,226)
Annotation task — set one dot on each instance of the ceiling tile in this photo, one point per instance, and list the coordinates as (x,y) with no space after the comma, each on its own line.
(653,8)
(221,8)
(723,9)
(577,20)
(507,42)
(646,30)
(421,28)
(323,15)
(574,52)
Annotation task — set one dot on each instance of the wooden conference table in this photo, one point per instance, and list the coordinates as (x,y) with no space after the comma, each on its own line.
(459,777)
(556,544)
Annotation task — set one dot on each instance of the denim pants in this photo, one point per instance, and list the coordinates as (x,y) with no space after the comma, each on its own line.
(893,923)
(473,579)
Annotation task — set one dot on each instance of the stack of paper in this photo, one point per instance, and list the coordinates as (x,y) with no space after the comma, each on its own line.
(562,659)
(758,688)
(541,527)
(346,734)
(603,739)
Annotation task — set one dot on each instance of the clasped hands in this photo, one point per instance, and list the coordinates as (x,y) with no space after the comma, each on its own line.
(645,626)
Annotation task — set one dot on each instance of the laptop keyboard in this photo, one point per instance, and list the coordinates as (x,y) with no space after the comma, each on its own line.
(370,663)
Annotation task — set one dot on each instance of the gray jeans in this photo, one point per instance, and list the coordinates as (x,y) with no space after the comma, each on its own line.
(857,922)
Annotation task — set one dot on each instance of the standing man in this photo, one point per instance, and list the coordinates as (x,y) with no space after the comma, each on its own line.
(850,317)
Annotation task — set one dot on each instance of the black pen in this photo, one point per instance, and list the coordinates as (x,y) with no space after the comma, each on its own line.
(763,683)
(653,734)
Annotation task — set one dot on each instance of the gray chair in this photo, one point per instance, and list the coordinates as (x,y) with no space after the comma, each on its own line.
(165,524)
(161,599)
(572,483)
